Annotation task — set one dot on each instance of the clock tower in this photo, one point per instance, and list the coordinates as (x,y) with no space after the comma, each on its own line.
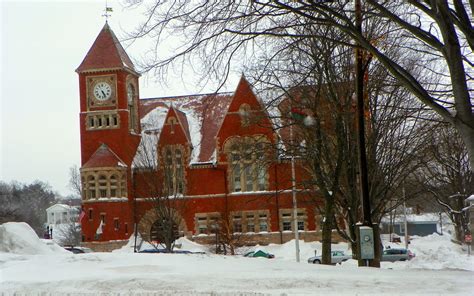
(110,134)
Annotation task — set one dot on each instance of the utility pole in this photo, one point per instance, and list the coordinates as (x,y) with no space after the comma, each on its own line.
(364,184)
(368,237)
(406,223)
(295,206)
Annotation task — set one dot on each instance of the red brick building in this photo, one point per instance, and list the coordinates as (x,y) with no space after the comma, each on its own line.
(208,146)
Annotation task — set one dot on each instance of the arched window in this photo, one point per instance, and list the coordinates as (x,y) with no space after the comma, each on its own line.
(169,171)
(91,187)
(160,229)
(178,171)
(102,186)
(236,168)
(123,186)
(174,170)
(114,186)
(83,188)
(131,106)
(248,169)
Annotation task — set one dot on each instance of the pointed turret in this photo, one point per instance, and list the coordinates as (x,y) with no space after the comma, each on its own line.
(106,54)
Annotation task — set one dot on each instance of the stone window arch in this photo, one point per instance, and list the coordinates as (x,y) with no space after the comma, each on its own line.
(114,188)
(104,183)
(91,187)
(174,170)
(131,94)
(247,167)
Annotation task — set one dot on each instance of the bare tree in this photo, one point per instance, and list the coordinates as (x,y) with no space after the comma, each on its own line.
(9,209)
(322,108)
(69,233)
(26,203)
(221,32)
(157,186)
(447,176)
(75,181)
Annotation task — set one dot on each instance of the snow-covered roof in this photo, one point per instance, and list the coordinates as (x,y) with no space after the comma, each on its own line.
(413,218)
(201,116)
(104,157)
(61,207)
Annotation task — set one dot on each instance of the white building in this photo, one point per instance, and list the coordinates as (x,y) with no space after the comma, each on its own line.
(61,214)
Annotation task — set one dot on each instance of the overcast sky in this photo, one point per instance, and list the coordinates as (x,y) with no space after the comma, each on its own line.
(42,43)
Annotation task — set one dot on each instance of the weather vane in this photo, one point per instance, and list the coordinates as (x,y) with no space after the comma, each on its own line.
(106,11)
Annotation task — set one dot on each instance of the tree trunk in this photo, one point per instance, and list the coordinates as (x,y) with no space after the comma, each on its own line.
(467,134)
(327,230)
(377,247)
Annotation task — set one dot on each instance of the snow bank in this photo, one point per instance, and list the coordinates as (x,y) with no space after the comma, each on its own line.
(20,238)
(182,243)
(434,252)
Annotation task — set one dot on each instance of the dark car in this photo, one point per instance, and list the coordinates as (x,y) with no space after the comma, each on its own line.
(397,254)
(165,251)
(78,250)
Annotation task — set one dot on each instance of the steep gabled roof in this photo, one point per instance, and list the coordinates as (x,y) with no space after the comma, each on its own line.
(104,157)
(106,53)
(183,121)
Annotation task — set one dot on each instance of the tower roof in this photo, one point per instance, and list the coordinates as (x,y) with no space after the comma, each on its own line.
(104,157)
(106,53)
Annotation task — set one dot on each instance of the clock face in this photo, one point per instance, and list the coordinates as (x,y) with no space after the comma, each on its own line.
(130,93)
(102,91)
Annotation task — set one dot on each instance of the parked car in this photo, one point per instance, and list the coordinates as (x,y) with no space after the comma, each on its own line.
(259,253)
(397,254)
(78,250)
(165,251)
(336,257)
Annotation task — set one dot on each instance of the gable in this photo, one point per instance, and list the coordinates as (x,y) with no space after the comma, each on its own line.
(59,208)
(202,114)
(175,129)
(245,116)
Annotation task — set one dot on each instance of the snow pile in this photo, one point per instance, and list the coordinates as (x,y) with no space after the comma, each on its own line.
(124,272)
(182,243)
(307,249)
(20,238)
(53,246)
(129,247)
(434,252)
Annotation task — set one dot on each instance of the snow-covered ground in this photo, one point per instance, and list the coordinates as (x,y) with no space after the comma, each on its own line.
(30,267)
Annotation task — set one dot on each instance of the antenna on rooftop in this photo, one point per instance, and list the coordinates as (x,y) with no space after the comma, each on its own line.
(106,11)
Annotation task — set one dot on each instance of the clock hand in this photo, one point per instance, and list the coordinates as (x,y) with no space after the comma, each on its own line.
(103,93)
